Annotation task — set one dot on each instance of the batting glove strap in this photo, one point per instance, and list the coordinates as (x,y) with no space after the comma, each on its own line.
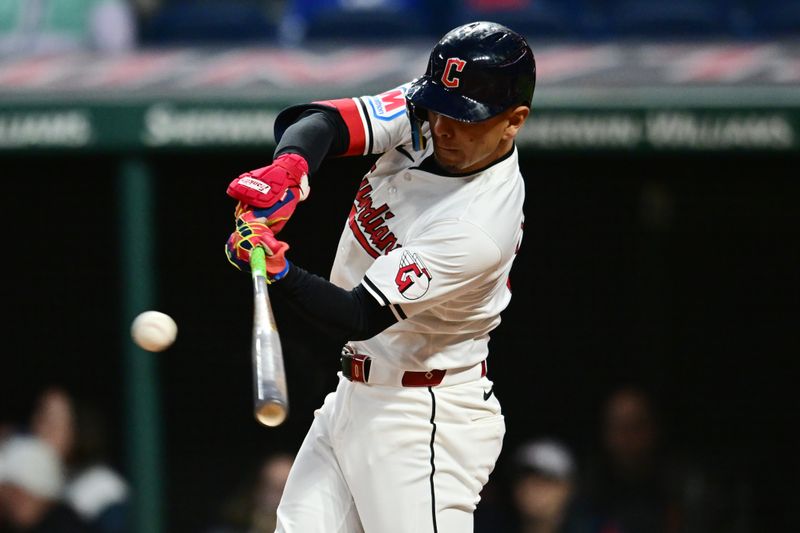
(272,278)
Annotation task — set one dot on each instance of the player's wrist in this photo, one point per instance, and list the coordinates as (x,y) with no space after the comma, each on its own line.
(294,163)
(296,166)
(273,277)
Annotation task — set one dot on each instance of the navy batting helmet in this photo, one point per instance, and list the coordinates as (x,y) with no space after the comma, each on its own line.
(476,71)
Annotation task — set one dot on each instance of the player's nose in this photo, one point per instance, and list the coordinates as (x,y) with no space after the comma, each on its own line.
(441,126)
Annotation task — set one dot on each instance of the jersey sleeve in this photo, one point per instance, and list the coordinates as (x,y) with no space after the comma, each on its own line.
(442,263)
(375,123)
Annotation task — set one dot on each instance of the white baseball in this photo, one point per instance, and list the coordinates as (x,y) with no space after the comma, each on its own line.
(154,331)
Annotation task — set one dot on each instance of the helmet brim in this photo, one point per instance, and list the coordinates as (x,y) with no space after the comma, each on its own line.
(425,94)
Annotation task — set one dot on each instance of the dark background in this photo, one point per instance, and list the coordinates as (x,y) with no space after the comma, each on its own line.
(675,270)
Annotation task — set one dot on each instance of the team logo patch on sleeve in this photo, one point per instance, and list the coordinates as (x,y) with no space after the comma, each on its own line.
(413,278)
(389,105)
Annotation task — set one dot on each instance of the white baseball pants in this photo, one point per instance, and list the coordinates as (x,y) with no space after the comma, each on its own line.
(381,459)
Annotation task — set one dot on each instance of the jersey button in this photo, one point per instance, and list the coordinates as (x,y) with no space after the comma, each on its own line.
(392,190)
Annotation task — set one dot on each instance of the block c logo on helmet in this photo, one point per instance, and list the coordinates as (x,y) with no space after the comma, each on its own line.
(449,79)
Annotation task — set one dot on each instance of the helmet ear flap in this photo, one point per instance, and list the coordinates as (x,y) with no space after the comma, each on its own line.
(420,113)
(416,116)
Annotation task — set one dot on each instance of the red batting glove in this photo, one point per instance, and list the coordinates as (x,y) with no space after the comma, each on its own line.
(272,192)
(251,232)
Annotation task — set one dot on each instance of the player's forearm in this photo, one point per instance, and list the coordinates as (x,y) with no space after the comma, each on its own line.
(314,135)
(345,315)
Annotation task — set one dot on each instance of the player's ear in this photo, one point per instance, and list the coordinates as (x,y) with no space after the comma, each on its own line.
(516,118)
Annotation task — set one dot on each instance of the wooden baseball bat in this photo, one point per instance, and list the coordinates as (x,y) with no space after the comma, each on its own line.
(270,396)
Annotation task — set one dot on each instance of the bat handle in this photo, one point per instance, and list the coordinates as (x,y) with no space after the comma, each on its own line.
(258,262)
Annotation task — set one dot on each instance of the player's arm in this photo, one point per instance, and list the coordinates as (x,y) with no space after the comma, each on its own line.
(316,134)
(435,267)
(344,315)
(308,134)
(272,192)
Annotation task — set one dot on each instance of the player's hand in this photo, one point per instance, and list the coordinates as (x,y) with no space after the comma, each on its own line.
(251,232)
(272,192)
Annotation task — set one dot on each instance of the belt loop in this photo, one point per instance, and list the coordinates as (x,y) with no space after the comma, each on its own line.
(367,366)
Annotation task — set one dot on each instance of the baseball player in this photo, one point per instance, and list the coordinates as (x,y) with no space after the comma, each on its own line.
(413,430)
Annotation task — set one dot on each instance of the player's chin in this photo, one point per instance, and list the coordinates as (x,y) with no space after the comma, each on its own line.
(450,160)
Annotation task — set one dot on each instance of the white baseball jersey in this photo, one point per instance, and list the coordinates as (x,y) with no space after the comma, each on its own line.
(437,250)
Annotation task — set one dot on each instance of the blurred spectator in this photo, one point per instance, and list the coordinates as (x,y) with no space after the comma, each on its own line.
(536,19)
(47,26)
(538,493)
(356,20)
(253,508)
(209,22)
(31,482)
(633,485)
(544,490)
(76,431)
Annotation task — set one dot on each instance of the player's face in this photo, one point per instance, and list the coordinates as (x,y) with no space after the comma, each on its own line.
(463,147)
